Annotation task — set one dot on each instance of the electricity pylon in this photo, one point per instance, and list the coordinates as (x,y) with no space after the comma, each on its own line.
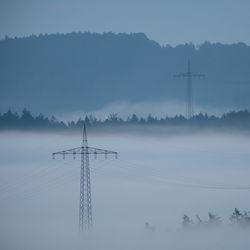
(85,209)
(189,98)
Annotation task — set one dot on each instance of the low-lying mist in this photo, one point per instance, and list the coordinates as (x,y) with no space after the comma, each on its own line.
(143,109)
(156,179)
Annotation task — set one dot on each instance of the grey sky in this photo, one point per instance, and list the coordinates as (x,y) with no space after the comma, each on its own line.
(166,21)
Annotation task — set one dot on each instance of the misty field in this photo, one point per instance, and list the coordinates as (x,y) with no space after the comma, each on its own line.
(156,179)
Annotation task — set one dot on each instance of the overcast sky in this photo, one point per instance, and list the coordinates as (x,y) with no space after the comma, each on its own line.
(166,21)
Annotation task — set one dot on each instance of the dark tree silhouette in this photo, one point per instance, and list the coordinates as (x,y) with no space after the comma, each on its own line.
(232,120)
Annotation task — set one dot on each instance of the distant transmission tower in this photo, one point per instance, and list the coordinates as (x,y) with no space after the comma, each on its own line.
(85,209)
(189,98)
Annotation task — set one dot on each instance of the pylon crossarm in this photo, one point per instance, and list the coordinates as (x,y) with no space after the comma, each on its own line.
(84,150)
(88,150)
(197,75)
(181,75)
(189,74)
(68,151)
(92,150)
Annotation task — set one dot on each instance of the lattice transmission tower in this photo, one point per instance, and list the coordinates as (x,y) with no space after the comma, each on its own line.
(189,96)
(85,208)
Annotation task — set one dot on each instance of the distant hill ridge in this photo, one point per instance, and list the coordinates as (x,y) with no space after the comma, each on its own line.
(85,71)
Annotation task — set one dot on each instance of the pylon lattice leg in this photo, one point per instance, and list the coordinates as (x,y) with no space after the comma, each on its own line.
(189,101)
(85,209)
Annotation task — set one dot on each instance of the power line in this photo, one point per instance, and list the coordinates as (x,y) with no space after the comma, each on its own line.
(181,183)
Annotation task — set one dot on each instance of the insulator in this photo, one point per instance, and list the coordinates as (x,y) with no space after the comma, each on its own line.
(64,156)
(74,155)
(116,155)
(106,155)
(95,155)
(53,156)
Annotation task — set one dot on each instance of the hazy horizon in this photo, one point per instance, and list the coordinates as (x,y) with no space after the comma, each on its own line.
(167,22)
(196,45)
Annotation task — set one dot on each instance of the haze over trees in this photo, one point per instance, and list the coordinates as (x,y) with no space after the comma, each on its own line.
(85,71)
(238,218)
(25,120)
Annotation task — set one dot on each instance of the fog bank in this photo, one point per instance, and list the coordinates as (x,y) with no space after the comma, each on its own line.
(156,179)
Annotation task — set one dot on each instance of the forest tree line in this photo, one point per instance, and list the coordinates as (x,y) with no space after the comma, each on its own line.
(25,120)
